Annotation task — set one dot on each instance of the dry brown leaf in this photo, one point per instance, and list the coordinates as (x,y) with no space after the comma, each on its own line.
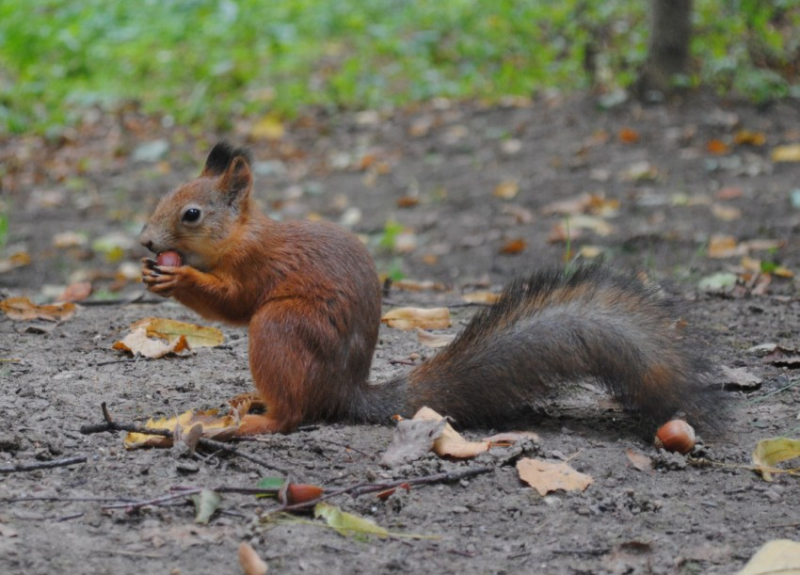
(790,153)
(546,477)
(749,137)
(213,427)
(451,443)
(723,247)
(249,560)
(506,190)
(515,246)
(590,252)
(23,309)
(137,342)
(489,297)
(77,291)
(628,136)
(639,460)
(168,329)
(408,318)
(414,285)
(717,147)
(434,340)
(729,193)
(568,207)
(408,201)
(412,439)
(16,260)
(725,213)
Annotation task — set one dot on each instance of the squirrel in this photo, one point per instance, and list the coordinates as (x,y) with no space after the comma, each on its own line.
(311,296)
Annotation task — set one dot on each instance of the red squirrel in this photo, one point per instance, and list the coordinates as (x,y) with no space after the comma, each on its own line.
(310,294)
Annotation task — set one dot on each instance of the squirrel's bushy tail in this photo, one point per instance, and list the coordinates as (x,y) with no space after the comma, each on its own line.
(557,327)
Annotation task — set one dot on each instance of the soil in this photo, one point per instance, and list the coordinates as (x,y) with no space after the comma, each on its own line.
(707,512)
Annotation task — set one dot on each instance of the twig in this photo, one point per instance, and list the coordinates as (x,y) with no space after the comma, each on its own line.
(111,425)
(364,488)
(153,502)
(65,499)
(13,468)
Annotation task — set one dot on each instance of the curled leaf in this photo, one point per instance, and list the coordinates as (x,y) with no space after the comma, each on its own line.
(23,309)
(206,503)
(347,524)
(770,452)
(408,318)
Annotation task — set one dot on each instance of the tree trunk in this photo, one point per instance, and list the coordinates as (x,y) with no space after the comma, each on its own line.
(668,49)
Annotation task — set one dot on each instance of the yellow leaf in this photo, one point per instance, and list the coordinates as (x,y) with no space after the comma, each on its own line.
(346,523)
(213,427)
(780,556)
(269,127)
(23,309)
(547,477)
(725,213)
(408,318)
(723,247)
(196,336)
(414,285)
(790,153)
(770,452)
(507,190)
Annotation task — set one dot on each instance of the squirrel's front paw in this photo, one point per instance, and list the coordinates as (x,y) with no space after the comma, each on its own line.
(162,280)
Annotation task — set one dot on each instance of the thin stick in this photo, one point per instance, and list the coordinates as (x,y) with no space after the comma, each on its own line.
(13,468)
(111,425)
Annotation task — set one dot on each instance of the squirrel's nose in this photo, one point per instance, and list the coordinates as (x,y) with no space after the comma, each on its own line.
(145,240)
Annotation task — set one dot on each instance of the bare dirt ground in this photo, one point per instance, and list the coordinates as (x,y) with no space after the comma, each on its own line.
(674,194)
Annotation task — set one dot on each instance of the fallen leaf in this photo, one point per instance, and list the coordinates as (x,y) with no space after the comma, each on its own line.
(770,452)
(450,443)
(639,460)
(408,201)
(749,137)
(414,285)
(590,252)
(434,340)
(779,556)
(16,260)
(547,477)
(220,428)
(23,309)
(520,214)
(249,560)
(628,136)
(75,292)
(723,247)
(205,504)
(269,127)
(506,190)
(729,193)
(739,378)
(69,240)
(790,153)
(137,342)
(408,318)
(488,297)
(513,247)
(570,207)
(717,282)
(168,329)
(511,437)
(347,524)
(717,147)
(640,172)
(725,213)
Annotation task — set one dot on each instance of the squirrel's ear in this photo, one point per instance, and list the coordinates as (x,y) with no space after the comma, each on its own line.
(237,179)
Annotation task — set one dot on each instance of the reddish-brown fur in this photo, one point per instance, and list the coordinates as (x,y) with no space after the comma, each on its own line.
(311,297)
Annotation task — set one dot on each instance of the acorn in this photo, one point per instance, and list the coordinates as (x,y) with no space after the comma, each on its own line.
(296,493)
(169,259)
(675,435)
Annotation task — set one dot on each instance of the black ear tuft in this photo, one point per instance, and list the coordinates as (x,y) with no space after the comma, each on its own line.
(221,157)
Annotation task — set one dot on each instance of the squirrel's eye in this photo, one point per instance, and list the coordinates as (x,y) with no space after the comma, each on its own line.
(191,215)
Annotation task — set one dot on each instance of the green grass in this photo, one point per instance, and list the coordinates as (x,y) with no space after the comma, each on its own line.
(206,61)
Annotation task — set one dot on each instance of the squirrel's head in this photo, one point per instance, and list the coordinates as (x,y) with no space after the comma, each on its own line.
(198,218)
